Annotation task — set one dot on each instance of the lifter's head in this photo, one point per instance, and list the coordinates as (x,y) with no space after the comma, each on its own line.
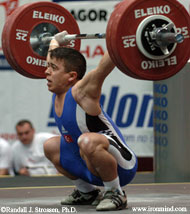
(65,67)
(73,60)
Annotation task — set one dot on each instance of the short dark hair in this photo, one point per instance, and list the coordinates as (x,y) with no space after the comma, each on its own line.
(73,59)
(24,121)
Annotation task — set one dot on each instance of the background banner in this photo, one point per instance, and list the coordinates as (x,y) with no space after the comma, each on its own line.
(128,101)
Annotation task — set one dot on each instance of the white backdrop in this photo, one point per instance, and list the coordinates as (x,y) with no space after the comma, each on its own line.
(128,101)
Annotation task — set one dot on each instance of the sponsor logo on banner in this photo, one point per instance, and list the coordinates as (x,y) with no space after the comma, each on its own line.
(90,14)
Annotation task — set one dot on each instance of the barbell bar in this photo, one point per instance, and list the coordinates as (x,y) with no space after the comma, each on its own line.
(45,38)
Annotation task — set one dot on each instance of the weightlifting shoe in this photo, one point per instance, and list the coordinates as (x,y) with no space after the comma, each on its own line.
(112,200)
(80,198)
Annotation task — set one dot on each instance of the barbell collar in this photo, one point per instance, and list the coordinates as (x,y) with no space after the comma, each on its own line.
(164,38)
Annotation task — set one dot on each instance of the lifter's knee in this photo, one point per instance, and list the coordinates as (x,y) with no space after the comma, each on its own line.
(90,143)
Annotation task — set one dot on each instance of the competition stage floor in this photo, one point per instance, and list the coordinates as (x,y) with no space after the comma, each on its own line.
(43,194)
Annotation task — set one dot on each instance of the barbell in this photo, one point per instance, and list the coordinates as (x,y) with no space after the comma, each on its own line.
(146,39)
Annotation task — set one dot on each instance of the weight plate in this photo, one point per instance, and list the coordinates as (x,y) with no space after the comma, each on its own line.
(52,18)
(127,20)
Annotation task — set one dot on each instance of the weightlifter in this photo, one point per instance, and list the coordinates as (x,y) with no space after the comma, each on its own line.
(91,150)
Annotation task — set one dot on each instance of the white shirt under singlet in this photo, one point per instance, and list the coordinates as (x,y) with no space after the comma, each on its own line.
(32,156)
(5,155)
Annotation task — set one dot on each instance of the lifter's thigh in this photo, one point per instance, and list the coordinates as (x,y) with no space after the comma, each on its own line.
(52,152)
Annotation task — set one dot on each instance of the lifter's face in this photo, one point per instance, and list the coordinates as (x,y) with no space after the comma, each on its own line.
(25,133)
(58,79)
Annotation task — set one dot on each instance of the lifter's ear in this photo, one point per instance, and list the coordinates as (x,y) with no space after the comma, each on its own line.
(73,76)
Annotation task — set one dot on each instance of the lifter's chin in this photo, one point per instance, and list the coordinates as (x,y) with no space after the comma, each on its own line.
(50,88)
